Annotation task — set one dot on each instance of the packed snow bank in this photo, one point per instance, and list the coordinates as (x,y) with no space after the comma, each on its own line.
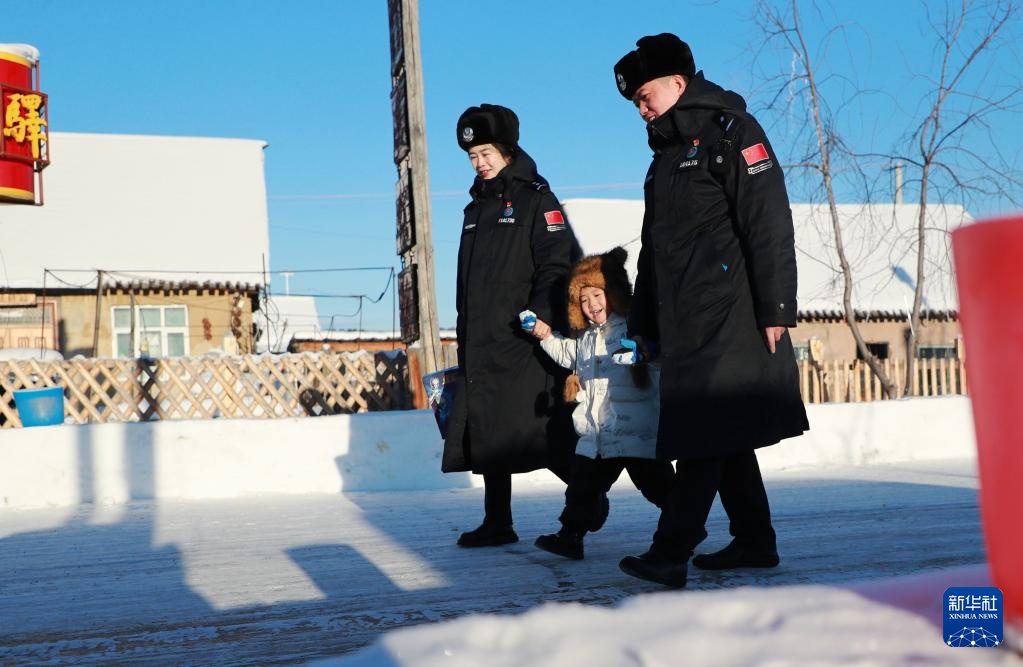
(384,451)
(897,622)
(221,458)
(879,432)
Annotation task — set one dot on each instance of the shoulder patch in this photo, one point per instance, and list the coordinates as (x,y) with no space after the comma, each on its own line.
(555,221)
(757,159)
(753,154)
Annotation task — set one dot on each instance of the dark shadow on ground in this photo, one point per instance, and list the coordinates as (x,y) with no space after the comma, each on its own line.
(42,598)
(830,532)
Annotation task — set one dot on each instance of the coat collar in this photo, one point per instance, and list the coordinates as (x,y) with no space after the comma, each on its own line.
(688,117)
(522,169)
(613,320)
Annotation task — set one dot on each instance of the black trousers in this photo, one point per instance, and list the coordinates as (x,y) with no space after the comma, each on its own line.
(497,490)
(592,478)
(737,479)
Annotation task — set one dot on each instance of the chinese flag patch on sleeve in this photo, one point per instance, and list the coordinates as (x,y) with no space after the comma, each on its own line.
(554,218)
(754,154)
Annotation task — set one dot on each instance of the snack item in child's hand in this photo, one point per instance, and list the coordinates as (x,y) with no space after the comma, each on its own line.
(629,354)
(528,320)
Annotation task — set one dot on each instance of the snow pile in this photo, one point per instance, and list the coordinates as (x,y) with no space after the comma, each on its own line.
(386,451)
(897,623)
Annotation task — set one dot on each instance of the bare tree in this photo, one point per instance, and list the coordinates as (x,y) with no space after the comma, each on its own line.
(962,108)
(954,151)
(802,82)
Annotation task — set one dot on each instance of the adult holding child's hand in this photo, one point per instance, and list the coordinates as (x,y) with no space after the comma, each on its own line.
(515,253)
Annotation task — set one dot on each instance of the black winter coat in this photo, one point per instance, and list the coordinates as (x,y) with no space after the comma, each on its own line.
(717,265)
(515,253)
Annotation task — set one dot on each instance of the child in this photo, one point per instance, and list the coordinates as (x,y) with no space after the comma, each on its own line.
(616,418)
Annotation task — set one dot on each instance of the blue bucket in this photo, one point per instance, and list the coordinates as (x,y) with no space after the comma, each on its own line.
(40,407)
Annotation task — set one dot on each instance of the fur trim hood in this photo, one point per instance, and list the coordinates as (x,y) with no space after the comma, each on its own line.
(607,272)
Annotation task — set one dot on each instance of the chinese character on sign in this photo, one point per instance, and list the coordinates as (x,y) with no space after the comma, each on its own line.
(22,120)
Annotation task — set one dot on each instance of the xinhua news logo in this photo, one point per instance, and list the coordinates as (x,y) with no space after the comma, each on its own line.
(973,617)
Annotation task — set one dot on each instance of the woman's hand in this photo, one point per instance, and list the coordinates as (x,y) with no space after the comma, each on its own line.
(542,330)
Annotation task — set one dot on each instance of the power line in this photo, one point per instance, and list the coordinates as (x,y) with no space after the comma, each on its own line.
(446,193)
(258,272)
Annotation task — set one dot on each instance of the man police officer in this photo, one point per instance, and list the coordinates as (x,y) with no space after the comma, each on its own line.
(716,290)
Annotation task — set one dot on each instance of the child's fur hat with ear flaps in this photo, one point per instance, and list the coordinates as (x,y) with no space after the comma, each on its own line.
(605,271)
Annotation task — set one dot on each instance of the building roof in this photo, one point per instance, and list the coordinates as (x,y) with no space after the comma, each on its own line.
(365,335)
(284,316)
(184,209)
(879,242)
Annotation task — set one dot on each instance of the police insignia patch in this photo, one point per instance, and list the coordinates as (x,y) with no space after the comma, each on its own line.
(757,159)
(555,220)
(754,154)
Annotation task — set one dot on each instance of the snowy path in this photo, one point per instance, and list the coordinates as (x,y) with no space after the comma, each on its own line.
(284,579)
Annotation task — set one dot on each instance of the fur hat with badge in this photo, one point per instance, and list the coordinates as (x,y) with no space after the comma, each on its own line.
(488,124)
(657,56)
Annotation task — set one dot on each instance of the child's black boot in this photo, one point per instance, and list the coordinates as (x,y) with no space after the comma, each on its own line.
(567,542)
(488,535)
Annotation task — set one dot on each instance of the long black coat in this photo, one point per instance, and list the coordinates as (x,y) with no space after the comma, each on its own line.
(515,253)
(717,266)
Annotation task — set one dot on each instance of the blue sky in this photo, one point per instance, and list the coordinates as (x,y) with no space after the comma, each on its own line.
(311,77)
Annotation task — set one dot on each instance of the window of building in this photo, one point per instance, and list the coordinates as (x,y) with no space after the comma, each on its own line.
(160,331)
(28,326)
(879,350)
(943,351)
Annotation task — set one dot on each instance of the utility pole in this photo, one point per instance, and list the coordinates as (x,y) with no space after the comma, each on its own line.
(418,301)
(97,314)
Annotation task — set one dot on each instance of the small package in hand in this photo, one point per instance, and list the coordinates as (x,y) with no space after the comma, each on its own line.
(629,354)
(528,320)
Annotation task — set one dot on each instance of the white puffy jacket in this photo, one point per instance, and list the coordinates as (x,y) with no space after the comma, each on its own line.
(614,417)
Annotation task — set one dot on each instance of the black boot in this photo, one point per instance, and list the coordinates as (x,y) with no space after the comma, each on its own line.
(488,535)
(600,513)
(736,555)
(656,568)
(566,542)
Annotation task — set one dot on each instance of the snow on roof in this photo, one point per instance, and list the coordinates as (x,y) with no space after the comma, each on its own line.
(143,207)
(26,51)
(283,317)
(353,335)
(879,241)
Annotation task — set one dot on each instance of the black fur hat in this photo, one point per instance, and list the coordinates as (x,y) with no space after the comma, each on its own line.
(657,56)
(488,124)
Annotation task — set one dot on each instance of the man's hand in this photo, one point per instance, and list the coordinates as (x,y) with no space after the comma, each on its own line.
(773,335)
(542,330)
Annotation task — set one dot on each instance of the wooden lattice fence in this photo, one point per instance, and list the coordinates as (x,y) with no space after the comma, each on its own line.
(852,381)
(246,386)
(312,384)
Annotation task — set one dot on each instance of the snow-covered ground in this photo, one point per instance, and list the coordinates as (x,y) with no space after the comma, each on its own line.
(255,577)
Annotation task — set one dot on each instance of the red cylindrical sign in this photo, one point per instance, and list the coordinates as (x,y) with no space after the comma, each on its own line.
(23,125)
(987,261)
